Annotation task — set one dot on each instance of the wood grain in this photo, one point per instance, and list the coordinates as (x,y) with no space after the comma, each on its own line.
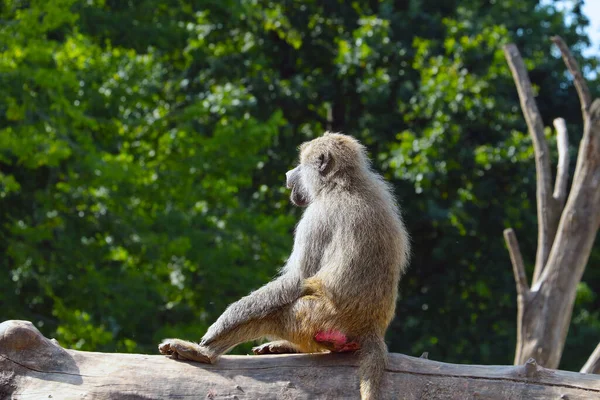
(33,367)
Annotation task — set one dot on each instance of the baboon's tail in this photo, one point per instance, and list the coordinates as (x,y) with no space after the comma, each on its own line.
(373,360)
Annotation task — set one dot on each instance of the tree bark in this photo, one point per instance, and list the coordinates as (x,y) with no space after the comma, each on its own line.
(562,169)
(544,310)
(546,209)
(592,366)
(33,367)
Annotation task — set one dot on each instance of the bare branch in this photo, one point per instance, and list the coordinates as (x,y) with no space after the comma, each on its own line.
(562,169)
(522,287)
(593,131)
(592,366)
(590,142)
(582,88)
(546,212)
(517,261)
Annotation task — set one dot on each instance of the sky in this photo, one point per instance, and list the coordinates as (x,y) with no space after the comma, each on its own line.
(591,9)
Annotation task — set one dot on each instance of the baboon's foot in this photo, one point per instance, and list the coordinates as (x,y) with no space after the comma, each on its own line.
(276,347)
(183,350)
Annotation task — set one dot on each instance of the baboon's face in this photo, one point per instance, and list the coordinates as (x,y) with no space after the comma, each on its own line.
(307,179)
(322,161)
(299,196)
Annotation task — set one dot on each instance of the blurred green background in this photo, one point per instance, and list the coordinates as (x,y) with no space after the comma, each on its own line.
(144,144)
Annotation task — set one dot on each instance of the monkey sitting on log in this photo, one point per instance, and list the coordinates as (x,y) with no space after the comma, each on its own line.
(337,291)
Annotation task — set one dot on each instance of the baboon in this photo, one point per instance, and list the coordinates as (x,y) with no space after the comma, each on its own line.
(337,291)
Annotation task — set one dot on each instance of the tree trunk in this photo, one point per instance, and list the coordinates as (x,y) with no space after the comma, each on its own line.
(33,367)
(566,232)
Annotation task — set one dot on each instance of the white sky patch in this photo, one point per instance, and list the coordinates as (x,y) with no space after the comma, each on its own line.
(591,9)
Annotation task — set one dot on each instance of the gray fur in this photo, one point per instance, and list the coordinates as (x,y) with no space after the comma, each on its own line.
(350,250)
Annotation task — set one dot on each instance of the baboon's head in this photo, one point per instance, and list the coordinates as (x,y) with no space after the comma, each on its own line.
(327,161)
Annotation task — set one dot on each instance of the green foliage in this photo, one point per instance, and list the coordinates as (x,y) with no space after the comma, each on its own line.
(143,147)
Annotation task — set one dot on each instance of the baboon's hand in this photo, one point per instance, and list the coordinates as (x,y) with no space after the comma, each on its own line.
(182,350)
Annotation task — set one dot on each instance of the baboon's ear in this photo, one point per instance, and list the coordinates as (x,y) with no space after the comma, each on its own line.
(326,162)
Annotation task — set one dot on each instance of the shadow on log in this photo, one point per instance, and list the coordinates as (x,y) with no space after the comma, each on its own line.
(34,367)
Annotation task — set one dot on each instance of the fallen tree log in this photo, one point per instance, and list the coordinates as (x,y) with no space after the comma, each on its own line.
(34,367)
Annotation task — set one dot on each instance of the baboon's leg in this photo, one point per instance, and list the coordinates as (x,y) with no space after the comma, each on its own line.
(220,344)
(297,323)
(258,305)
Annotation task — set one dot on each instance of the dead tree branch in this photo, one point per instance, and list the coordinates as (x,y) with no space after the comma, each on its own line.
(544,313)
(592,366)
(562,169)
(33,367)
(583,91)
(547,218)
(521,281)
(517,261)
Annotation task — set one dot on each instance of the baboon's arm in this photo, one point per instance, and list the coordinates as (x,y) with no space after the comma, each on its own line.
(280,292)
